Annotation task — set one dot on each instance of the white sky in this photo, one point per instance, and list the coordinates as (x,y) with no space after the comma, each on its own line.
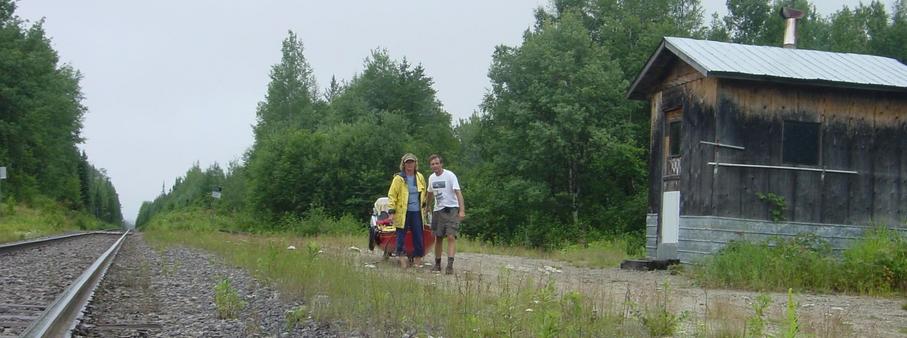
(170,83)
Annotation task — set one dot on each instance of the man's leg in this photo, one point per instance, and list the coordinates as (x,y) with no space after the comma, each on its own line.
(439,242)
(451,249)
(439,239)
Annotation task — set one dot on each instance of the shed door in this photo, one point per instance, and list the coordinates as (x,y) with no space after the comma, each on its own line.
(670,199)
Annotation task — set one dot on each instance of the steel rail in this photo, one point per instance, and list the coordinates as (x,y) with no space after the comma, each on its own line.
(35,242)
(59,318)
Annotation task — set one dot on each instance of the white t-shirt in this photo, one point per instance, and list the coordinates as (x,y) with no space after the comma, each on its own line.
(443,186)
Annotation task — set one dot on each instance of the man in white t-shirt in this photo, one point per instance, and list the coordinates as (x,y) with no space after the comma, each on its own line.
(448,211)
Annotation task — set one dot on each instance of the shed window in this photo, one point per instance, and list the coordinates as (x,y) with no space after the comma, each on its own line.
(801,142)
(674,138)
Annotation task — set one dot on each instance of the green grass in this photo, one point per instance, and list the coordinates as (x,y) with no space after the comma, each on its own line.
(875,264)
(20,222)
(336,286)
(227,300)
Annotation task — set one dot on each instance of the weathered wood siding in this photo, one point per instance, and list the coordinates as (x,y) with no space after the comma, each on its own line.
(862,131)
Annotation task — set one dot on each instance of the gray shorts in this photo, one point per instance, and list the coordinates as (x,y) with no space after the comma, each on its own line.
(445,222)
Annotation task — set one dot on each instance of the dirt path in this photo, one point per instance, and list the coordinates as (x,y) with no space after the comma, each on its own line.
(721,310)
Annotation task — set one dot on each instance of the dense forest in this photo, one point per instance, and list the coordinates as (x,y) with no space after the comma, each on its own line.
(41,115)
(555,153)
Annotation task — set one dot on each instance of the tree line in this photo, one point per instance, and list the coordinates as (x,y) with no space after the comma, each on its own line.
(555,152)
(41,114)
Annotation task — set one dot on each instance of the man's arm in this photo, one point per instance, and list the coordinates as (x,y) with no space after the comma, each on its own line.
(461,203)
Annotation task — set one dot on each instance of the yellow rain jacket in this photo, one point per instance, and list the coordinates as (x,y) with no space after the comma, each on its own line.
(398,198)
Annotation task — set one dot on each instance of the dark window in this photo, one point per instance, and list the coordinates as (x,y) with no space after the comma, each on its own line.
(674,138)
(801,142)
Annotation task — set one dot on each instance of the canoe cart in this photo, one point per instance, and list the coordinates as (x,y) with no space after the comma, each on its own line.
(383,236)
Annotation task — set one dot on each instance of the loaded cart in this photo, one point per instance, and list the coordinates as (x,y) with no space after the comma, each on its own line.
(383,235)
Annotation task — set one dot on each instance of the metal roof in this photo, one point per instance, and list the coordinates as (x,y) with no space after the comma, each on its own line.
(801,66)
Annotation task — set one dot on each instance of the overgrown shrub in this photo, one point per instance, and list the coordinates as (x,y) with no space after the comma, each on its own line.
(777,264)
(876,264)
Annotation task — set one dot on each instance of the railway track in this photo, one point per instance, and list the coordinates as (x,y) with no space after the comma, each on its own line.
(45,284)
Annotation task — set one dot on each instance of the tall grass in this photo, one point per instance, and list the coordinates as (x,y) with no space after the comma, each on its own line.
(337,286)
(874,264)
(42,218)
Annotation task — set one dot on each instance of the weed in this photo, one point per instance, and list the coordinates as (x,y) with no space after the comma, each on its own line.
(756,324)
(227,300)
(659,320)
(777,204)
(792,318)
(296,316)
(169,267)
(312,250)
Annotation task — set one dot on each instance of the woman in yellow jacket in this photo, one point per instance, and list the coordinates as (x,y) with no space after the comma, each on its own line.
(406,199)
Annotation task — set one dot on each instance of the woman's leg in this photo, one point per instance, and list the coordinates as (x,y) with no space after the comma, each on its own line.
(418,242)
(401,254)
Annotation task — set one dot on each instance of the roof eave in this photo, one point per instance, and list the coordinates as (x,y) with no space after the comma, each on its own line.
(637,93)
(634,93)
(810,82)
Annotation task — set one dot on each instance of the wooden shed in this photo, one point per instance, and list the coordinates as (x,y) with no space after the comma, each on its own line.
(749,142)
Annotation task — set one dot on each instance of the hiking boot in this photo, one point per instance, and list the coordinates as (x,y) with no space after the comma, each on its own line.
(448,270)
(436,268)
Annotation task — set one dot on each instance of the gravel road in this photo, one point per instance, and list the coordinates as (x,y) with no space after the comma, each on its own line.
(821,314)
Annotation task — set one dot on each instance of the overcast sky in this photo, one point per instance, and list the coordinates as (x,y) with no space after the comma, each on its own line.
(171,83)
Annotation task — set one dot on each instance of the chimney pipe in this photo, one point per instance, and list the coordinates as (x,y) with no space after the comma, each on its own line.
(790,16)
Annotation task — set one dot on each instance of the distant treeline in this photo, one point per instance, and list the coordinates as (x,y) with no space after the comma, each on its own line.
(555,154)
(41,115)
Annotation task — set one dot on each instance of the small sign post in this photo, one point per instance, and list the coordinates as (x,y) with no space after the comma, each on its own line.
(215,193)
(2,177)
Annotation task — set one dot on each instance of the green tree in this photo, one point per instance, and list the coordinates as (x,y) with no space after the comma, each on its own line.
(556,102)
(291,94)
(41,115)
(401,89)
(747,20)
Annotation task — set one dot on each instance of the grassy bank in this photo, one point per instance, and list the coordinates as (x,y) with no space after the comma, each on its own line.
(875,265)
(20,222)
